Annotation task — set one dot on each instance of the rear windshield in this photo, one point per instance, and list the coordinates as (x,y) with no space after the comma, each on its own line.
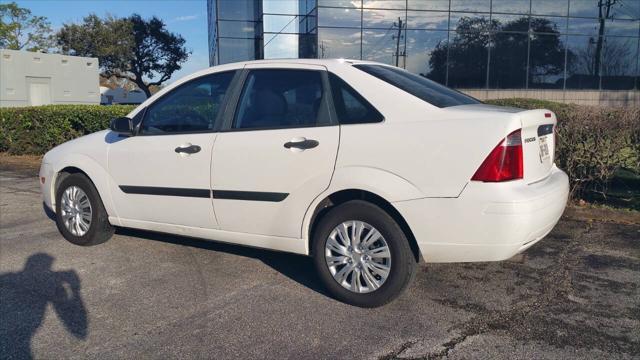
(419,86)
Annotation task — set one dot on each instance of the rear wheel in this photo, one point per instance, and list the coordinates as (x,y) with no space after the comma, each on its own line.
(361,254)
(80,214)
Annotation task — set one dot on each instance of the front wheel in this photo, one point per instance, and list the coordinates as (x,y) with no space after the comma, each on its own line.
(80,214)
(362,255)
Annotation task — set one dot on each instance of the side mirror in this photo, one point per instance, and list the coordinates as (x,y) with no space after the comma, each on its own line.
(122,125)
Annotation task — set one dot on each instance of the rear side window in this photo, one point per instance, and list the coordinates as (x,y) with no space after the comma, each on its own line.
(418,86)
(278,98)
(350,106)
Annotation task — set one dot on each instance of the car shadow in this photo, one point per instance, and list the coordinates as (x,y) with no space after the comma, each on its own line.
(26,294)
(298,268)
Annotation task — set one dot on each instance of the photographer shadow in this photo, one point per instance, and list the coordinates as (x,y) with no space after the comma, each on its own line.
(24,298)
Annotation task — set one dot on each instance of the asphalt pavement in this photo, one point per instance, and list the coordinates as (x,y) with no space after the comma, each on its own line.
(576,294)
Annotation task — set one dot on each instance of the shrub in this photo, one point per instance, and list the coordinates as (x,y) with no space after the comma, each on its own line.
(36,129)
(593,142)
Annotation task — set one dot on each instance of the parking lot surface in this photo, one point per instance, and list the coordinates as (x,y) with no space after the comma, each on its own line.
(576,294)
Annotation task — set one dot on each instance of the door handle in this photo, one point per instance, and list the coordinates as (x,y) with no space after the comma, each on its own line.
(301,143)
(188,149)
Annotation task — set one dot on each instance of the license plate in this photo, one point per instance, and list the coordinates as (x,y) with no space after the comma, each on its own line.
(544,148)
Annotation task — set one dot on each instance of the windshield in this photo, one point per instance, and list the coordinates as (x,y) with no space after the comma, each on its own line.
(419,86)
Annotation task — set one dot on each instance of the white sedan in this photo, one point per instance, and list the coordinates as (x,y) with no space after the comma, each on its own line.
(365,167)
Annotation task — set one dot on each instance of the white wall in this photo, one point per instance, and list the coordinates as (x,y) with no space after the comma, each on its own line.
(28,78)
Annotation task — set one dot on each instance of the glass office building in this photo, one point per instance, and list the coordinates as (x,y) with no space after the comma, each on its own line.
(470,44)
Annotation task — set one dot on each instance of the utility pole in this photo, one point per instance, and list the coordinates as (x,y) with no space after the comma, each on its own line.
(400,25)
(323,48)
(604,11)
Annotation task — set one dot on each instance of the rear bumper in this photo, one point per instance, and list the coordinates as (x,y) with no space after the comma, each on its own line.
(488,221)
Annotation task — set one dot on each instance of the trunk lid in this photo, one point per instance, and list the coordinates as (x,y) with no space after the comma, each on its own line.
(538,143)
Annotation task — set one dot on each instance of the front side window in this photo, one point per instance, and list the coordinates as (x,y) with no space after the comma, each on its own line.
(418,86)
(192,107)
(277,98)
(350,106)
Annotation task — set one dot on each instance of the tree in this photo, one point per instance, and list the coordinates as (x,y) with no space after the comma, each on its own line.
(20,30)
(466,54)
(139,50)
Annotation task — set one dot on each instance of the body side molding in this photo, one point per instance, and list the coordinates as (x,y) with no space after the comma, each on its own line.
(205,193)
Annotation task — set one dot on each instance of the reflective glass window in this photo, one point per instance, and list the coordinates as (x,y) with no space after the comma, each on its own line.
(380,45)
(619,27)
(581,61)
(546,61)
(619,63)
(427,54)
(549,7)
(517,23)
(619,9)
(339,17)
(384,4)
(510,6)
(237,10)
(280,46)
(508,67)
(428,5)
(290,7)
(384,19)
(339,43)
(427,20)
(548,24)
(470,5)
(583,26)
(467,64)
(468,22)
(340,3)
(239,29)
(232,50)
(281,24)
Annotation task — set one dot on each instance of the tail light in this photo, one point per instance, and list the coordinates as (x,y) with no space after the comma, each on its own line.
(504,162)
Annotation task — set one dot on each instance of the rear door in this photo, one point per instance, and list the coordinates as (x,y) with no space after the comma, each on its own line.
(277,153)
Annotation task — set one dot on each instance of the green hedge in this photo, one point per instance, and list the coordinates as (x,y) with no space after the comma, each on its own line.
(594,142)
(36,129)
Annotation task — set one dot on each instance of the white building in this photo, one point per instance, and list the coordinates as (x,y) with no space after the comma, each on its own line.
(29,79)
(119,95)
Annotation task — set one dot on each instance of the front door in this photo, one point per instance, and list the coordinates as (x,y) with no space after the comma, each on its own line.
(163,173)
(277,153)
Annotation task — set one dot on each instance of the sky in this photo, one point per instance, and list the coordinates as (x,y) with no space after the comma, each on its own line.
(185,17)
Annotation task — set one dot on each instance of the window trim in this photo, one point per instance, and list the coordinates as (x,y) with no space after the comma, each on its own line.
(219,115)
(234,104)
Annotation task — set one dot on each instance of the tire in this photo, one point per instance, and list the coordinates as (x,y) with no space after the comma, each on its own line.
(402,262)
(99,229)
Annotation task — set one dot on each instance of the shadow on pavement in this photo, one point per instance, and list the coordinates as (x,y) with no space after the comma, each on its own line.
(298,268)
(24,300)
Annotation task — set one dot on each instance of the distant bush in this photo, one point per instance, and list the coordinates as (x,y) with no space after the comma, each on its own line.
(593,142)
(36,129)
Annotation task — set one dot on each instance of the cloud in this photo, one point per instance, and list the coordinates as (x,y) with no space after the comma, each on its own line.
(186,18)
